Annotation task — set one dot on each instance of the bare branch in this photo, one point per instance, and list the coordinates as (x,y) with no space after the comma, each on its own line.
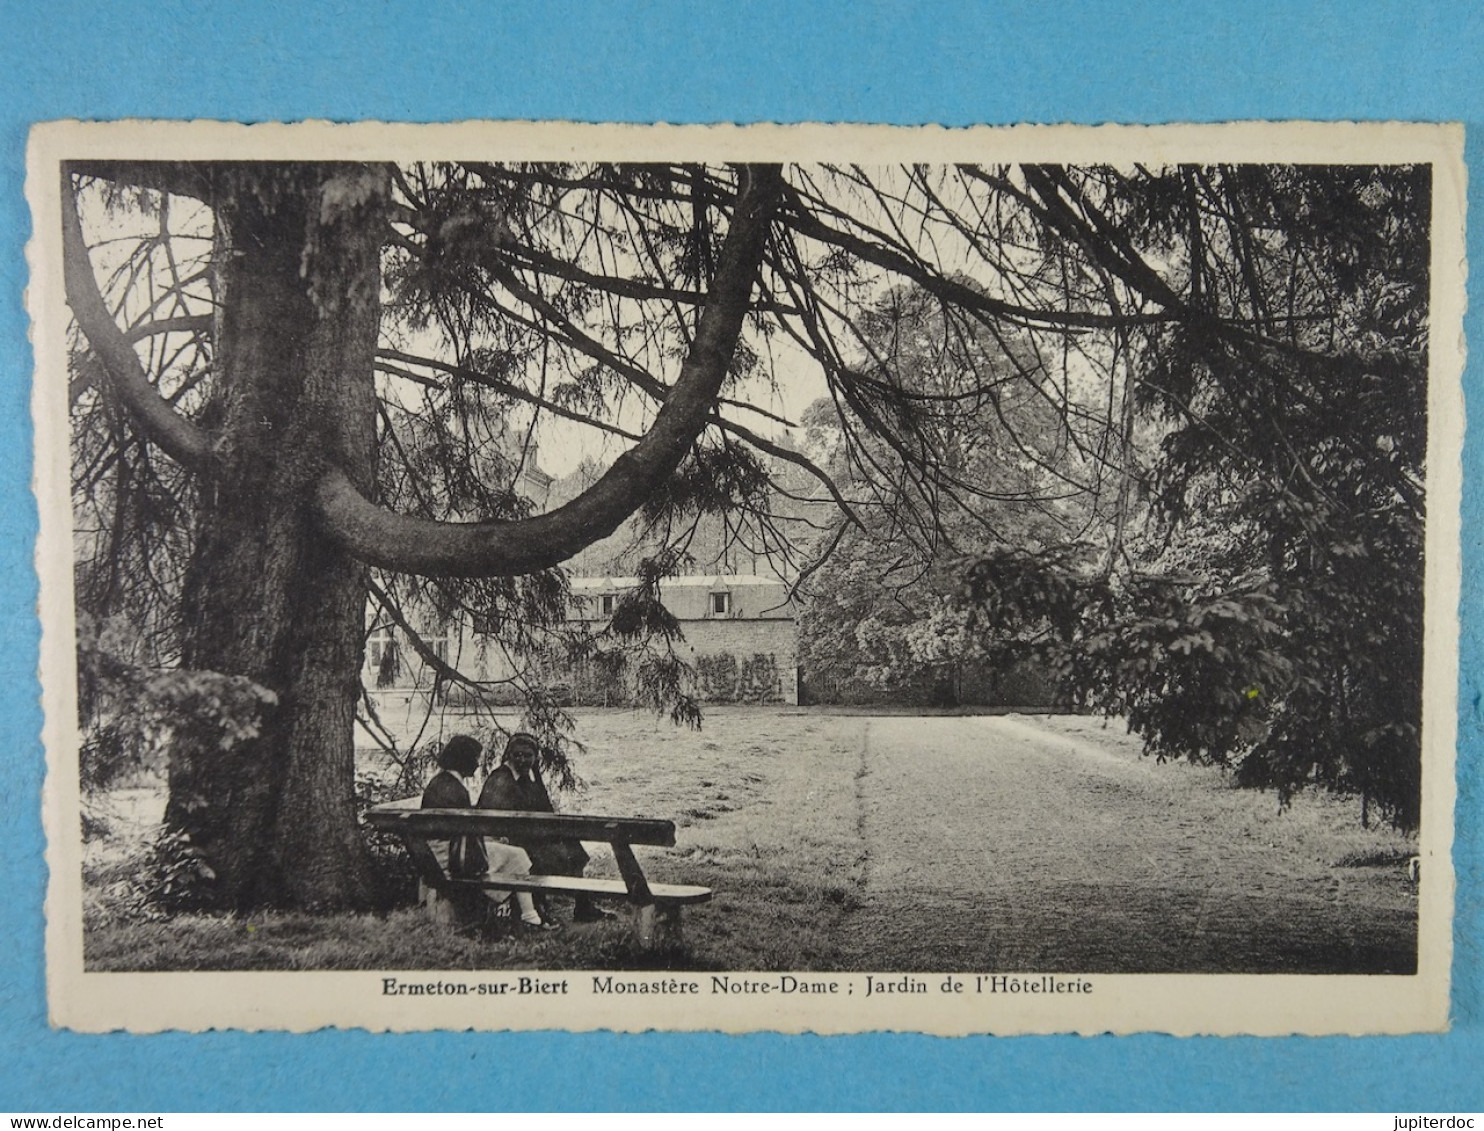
(176,435)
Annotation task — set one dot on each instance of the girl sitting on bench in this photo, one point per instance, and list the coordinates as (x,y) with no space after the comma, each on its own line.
(470,857)
(516,784)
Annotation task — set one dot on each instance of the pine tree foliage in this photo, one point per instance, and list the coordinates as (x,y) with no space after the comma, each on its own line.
(1162,425)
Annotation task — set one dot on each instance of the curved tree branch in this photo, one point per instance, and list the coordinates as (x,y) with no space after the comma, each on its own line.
(763,444)
(179,324)
(173,433)
(509,388)
(886,254)
(425,652)
(489,549)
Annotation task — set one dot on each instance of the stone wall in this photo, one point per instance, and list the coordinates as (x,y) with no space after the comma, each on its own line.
(744,641)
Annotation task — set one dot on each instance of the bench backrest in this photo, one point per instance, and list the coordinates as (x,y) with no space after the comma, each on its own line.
(405,817)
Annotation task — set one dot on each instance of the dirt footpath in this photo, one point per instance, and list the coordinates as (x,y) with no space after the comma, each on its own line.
(1018,844)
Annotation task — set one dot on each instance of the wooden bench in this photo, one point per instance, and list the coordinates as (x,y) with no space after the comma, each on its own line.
(655,907)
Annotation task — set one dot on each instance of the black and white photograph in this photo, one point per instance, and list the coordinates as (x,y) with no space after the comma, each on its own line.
(546,577)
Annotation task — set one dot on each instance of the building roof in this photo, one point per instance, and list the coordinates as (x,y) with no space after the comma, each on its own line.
(711,581)
(749,597)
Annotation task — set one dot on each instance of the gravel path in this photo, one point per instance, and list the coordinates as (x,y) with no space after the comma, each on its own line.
(998,843)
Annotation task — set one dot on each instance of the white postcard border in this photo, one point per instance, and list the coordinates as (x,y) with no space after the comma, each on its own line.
(1179,1004)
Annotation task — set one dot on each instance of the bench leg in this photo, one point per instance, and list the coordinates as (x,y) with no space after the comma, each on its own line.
(460,911)
(437,907)
(656,928)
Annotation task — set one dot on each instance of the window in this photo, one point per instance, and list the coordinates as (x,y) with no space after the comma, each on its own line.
(441,647)
(382,658)
(377,645)
(607,603)
(721,604)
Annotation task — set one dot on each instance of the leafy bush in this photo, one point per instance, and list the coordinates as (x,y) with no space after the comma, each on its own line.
(131,713)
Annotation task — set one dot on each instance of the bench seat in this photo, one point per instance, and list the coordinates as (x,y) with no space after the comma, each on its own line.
(569,885)
(654,909)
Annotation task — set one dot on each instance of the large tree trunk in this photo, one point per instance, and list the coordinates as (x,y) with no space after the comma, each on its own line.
(267,595)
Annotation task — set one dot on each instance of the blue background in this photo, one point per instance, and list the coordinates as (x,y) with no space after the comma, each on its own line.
(955,64)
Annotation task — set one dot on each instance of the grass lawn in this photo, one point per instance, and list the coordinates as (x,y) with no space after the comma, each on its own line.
(764,804)
(799,820)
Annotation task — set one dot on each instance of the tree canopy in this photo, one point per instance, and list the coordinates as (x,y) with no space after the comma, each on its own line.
(1162,426)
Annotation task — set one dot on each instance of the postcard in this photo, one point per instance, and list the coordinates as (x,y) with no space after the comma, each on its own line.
(810,579)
